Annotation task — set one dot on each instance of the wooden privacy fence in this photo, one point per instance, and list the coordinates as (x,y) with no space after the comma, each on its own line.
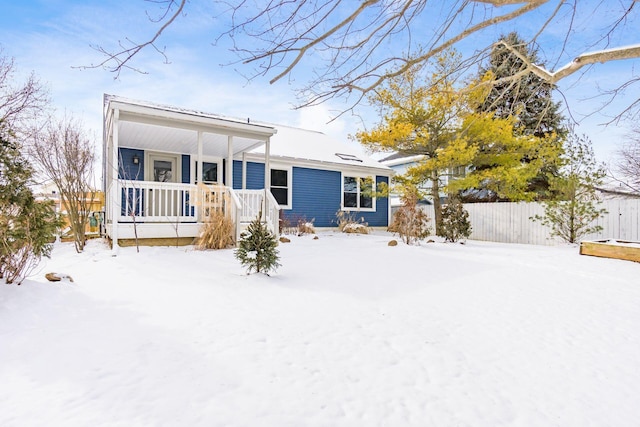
(511,223)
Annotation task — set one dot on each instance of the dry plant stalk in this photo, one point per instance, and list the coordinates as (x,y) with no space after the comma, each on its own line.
(305,227)
(347,223)
(217,232)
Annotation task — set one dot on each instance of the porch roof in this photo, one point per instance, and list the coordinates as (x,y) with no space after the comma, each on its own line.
(149,126)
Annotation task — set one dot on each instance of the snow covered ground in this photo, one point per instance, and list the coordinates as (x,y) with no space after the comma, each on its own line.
(348,332)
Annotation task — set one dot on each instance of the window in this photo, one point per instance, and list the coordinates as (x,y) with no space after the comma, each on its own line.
(349,157)
(163,167)
(211,170)
(280,186)
(357,193)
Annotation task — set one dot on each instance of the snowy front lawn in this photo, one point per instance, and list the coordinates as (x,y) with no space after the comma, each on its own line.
(348,332)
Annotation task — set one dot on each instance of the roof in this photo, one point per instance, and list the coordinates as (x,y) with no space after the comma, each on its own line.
(151,125)
(314,146)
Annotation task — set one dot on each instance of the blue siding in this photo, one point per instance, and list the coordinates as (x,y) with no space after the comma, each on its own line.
(237,174)
(315,195)
(255,175)
(186,169)
(126,168)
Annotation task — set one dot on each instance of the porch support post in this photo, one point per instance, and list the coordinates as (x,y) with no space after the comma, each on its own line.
(115,188)
(198,171)
(244,170)
(267,164)
(229,179)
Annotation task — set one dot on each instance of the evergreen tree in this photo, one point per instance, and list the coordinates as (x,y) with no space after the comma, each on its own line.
(572,214)
(27,226)
(528,99)
(257,248)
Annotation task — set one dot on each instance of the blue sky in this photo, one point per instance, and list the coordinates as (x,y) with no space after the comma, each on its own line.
(51,37)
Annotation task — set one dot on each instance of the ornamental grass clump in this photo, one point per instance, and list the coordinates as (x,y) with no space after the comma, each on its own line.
(347,223)
(216,233)
(257,249)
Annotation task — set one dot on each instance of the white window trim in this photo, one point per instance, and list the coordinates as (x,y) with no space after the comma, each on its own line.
(207,159)
(357,209)
(289,170)
(148,167)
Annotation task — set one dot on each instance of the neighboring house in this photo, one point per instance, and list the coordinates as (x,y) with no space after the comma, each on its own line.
(95,200)
(153,153)
(400,163)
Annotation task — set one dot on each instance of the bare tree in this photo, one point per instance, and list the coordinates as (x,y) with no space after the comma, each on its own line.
(349,42)
(20,102)
(65,155)
(628,162)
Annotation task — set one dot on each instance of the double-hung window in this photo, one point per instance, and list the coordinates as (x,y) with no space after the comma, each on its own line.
(281,187)
(357,193)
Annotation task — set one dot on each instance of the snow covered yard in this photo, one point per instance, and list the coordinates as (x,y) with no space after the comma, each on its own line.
(349,332)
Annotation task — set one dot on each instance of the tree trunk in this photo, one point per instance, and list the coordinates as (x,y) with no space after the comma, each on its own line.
(437,206)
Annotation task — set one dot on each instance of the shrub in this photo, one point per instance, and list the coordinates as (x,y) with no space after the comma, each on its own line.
(410,222)
(257,248)
(455,221)
(347,223)
(306,227)
(217,232)
(27,227)
(296,225)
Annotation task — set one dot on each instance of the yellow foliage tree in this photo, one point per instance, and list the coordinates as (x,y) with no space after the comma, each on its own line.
(430,117)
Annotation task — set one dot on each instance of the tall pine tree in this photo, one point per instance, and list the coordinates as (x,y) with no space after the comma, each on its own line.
(528,100)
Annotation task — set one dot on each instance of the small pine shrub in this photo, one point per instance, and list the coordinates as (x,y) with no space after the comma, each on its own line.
(347,223)
(257,249)
(217,232)
(410,222)
(455,221)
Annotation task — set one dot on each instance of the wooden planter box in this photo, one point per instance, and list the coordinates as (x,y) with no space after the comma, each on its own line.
(618,249)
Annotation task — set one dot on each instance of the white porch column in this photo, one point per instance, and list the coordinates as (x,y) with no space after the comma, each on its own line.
(198,171)
(229,180)
(115,188)
(267,164)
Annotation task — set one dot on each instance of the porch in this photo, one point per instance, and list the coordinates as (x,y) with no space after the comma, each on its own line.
(166,169)
(166,210)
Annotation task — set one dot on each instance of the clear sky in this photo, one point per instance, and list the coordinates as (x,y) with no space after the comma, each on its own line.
(53,37)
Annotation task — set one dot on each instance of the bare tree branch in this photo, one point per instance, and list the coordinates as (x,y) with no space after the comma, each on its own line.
(123,57)
(616,54)
(349,42)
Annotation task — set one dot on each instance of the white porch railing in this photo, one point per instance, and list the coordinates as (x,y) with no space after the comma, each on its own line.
(166,202)
(254,201)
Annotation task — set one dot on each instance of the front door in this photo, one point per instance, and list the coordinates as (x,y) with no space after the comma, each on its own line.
(163,202)
(163,168)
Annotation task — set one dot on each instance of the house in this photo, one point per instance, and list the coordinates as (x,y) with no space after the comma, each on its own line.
(400,163)
(164,167)
(95,203)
